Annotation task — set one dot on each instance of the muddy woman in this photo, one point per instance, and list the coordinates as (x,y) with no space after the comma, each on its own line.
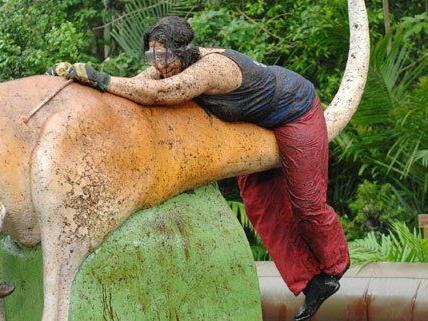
(287,206)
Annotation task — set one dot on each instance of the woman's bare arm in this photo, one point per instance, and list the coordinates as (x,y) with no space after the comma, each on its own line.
(149,73)
(213,74)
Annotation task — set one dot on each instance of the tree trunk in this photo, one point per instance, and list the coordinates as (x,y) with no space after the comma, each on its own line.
(387,22)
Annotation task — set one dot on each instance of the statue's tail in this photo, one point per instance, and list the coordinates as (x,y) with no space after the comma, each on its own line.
(351,89)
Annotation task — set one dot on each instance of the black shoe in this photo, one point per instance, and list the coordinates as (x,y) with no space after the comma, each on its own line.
(316,292)
(6,289)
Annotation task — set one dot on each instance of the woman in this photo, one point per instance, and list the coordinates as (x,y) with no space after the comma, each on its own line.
(287,206)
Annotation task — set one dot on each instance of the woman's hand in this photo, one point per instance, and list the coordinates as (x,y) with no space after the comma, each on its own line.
(59,69)
(82,73)
(88,75)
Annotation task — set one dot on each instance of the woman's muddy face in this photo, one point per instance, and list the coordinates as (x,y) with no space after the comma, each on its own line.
(164,59)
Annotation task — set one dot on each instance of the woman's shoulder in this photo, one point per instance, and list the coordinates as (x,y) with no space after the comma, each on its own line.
(206,50)
(214,56)
(218,56)
(223,72)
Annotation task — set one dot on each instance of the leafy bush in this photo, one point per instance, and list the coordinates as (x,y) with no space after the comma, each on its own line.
(36,34)
(387,140)
(401,245)
(221,28)
(258,249)
(374,208)
(122,65)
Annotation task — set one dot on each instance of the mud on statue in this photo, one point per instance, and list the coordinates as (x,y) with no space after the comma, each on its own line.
(287,205)
(81,141)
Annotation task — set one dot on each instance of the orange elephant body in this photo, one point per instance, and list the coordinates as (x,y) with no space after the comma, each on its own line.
(87,160)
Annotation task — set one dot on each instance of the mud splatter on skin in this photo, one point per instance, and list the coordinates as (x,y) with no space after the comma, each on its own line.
(212,74)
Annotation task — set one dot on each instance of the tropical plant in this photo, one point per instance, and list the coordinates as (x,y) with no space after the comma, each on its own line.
(128,28)
(239,210)
(225,29)
(387,140)
(375,207)
(401,245)
(122,65)
(258,249)
(36,34)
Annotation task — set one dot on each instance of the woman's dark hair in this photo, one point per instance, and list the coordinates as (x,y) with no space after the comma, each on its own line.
(176,34)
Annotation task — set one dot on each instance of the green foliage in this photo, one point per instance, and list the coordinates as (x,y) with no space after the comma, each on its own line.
(259,251)
(416,32)
(387,138)
(319,37)
(122,65)
(36,34)
(221,28)
(138,15)
(375,207)
(401,245)
(239,210)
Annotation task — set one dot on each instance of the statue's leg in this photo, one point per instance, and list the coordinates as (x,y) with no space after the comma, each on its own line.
(65,244)
(62,255)
(68,235)
(6,289)
(80,194)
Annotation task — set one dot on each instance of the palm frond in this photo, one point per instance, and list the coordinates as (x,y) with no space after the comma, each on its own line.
(239,210)
(387,136)
(128,29)
(257,247)
(401,245)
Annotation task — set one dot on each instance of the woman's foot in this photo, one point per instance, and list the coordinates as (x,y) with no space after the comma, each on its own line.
(6,289)
(316,292)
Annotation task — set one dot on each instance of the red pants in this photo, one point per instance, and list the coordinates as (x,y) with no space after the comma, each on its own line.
(287,206)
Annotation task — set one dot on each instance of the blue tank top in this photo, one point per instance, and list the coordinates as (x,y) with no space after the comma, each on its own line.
(268,96)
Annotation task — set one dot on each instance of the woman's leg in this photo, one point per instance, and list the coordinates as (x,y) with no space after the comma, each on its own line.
(269,209)
(303,147)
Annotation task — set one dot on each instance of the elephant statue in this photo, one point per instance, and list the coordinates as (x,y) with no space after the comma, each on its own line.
(88,160)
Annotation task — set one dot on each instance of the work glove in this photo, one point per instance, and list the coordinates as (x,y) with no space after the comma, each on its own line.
(87,75)
(59,69)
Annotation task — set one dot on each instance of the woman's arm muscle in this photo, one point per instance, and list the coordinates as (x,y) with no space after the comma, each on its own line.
(149,73)
(213,73)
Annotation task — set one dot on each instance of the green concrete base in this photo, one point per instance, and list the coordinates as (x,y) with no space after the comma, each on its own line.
(185,260)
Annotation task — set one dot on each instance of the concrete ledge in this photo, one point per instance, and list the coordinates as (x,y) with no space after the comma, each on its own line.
(376,292)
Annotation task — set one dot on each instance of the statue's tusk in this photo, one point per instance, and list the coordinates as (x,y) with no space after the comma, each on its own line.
(351,89)
(6,289)
(2,215)
(25,120)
